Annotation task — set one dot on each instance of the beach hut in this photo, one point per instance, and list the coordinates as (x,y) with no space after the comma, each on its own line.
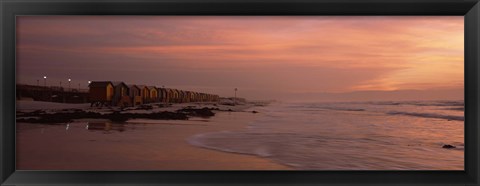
(195,97)
(181,95)
(165,94)
(120,94)
(186,96)
(100,93)
(175,96)
(199,97)
(135,95)
(172,95)
(153,94)
(145,92)
(169,96)
(210,97)
(191,96)
(207,97)
(162,95)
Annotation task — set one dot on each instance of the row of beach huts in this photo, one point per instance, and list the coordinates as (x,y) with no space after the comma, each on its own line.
(123,95)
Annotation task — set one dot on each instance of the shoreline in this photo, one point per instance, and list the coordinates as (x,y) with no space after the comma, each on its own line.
(159,145)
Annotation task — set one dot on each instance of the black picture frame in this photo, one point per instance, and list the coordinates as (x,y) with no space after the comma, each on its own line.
(9,9)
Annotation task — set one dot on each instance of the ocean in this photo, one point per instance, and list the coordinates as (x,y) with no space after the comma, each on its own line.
(406,135)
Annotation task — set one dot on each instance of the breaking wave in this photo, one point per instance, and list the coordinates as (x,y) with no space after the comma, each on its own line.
(321,136)
(429,115)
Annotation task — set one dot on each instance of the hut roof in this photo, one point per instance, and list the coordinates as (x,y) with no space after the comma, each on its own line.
(151,87)
(133,86)
(119,83)
(163,89)
(100,84)
(142,87)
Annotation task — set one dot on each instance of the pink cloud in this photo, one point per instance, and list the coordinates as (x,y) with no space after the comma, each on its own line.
(392,53)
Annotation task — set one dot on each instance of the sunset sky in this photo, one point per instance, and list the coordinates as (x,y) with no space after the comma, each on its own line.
(264,57)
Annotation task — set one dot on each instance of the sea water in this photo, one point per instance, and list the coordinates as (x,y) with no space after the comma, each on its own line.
(406,135)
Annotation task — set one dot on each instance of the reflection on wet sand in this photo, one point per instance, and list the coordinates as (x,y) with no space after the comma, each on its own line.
(105,126)
(137,144)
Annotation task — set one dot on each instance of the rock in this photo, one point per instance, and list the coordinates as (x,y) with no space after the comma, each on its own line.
(117,117)
(114,117)
(254,112)
(447,146)
(146,107)
(203,112)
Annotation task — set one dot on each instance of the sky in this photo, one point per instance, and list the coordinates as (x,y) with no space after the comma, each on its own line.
(268,57)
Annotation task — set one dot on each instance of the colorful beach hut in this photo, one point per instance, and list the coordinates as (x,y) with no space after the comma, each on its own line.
(153,94)
(161,94)
(120,94)
(175,96)
(135,95)
(100,93)
(145,92)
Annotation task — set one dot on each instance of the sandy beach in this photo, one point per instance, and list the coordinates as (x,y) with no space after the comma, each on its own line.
(418,135)
(139,144)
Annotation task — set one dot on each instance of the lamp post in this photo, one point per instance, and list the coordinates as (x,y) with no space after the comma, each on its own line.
(45,81)
(69,81)
(235,98)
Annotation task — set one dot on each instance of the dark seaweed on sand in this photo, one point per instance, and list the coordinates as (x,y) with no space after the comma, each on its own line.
(66,117)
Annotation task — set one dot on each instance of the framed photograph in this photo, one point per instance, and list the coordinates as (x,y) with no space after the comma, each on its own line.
(240,93)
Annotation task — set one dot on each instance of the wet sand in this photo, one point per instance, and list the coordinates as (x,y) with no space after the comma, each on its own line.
(137,145)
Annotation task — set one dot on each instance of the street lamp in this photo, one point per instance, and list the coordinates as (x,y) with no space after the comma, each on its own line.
(45,81)
(69,81)
(235,98)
